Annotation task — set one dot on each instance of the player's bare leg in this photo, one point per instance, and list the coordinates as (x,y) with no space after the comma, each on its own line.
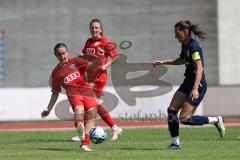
(78,121)
(90,117)
(106,117)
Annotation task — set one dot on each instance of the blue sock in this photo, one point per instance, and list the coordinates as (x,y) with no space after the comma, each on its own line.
(196,120)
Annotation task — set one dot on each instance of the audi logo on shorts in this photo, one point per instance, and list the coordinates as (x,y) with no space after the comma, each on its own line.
(71,77)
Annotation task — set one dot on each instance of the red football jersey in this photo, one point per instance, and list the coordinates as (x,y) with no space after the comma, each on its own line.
(92,48)
(70,76)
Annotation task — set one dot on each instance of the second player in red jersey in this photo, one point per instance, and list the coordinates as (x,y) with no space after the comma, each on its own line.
(99,46)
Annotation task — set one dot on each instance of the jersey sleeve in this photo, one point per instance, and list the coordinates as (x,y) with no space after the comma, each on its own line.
(195,51)
(55,82)
(81,64)
(111,48)
(84,48)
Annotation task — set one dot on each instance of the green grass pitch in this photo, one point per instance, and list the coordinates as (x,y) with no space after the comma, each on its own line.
(134,144)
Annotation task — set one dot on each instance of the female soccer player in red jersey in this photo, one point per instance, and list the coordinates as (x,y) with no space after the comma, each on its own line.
(98,46)
(192,90)
(69,74)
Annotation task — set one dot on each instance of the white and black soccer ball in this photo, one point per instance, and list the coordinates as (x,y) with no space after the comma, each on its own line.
(97,135)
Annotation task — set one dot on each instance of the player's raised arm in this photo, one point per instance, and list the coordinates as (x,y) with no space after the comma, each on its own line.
(177,61)
(96,63)
(93,70)
(110,62)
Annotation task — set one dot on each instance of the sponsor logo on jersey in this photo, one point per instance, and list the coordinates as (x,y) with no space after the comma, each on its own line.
(90,51)
(72,77)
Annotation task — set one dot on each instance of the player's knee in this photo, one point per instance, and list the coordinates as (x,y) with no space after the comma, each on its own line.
(172,114)
(184,118)
(79,113)
(170,110)
(79,110)
(91,114)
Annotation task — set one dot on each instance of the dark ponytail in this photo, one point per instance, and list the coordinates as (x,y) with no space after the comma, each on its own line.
(192,28)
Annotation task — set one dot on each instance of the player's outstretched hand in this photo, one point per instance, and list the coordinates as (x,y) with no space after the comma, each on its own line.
(194,94)
(45,113)
(157,62)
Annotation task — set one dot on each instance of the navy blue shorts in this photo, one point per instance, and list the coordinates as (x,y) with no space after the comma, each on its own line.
(187,86)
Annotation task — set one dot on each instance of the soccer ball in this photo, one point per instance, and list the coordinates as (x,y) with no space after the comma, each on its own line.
(97,135)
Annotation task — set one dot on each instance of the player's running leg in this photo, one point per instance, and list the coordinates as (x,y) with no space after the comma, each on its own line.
(89,123)
(187,118)
(219,123)
(106,117)
(78,121)
(173,122)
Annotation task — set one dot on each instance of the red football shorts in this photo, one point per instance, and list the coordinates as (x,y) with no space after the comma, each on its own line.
(87,101)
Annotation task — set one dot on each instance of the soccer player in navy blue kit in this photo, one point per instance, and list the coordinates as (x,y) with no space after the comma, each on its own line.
(192,90)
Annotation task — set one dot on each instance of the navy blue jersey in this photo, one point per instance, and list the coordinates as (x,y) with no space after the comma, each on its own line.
(190,53)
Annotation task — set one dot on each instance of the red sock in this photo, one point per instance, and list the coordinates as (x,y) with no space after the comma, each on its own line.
(86,140)
(105,116)
(77,121)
